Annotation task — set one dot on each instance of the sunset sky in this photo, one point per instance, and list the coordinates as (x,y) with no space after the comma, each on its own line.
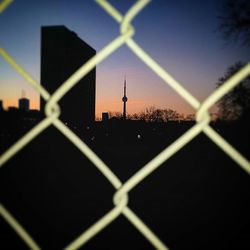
(180,35)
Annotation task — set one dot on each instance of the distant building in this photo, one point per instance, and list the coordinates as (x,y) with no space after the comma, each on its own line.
(105,116)
(13,109)
(1,105)
(24,104)
(62,53)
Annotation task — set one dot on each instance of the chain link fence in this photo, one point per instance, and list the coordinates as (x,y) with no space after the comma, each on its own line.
(52,110)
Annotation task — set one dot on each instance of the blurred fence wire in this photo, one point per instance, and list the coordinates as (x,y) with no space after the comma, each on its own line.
(52,110)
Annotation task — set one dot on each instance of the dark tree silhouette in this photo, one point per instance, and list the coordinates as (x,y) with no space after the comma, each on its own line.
(152,114)
(234,21)
(115,114)
(236,104)
(170,115)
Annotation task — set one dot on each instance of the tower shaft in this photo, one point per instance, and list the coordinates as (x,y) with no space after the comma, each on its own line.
(124,110)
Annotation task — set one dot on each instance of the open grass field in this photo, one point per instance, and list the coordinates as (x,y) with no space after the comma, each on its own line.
(198,199)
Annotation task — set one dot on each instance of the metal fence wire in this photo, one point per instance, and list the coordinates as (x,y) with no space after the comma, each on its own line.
(52,110)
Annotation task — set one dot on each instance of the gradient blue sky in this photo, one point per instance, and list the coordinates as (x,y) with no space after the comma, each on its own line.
(180,35)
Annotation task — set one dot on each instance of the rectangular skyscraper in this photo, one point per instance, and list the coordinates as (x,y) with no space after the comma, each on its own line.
(24,104)
(62,53)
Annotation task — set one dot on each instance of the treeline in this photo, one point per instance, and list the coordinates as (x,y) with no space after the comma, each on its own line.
(153,114)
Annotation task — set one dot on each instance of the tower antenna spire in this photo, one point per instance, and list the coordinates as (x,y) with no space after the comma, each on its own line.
(125,85)
(23,94)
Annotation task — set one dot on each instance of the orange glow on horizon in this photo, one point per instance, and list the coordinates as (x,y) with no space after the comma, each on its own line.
(133,106)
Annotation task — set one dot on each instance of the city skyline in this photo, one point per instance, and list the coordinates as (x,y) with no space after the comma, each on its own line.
(180,36)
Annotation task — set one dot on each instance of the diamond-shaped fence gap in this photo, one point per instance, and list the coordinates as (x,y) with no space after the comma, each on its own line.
(52,190)
(126,147)
(194,197)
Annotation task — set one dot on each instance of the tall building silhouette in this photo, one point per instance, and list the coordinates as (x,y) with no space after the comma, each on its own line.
(62,53)
(1,105)
(124,99)
(24,104)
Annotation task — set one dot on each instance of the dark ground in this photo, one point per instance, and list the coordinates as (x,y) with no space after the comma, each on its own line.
(198,199)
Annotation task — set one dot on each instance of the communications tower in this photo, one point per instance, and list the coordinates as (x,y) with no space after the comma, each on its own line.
(124,99)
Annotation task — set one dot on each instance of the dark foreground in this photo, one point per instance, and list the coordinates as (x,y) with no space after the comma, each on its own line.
(198,199)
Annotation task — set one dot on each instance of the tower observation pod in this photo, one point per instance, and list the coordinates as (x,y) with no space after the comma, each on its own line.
(124,99)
